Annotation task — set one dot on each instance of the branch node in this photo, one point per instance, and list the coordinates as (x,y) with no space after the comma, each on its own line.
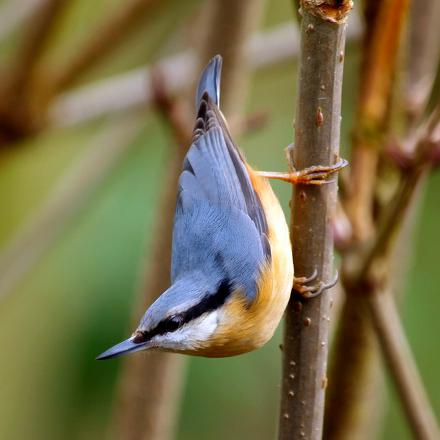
(335,11)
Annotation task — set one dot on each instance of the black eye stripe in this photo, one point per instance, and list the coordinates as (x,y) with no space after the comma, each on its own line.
(208,304)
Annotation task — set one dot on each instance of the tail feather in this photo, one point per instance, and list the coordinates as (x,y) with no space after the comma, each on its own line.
(210,82)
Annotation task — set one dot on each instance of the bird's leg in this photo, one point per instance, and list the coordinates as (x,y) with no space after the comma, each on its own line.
(314,175)
(314,290)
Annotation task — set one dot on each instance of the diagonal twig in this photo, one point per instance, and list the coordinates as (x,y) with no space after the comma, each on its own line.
(14,13)
(423,57)
(428,141)
(20,112)
(404,373)
(104,39)
(43,21)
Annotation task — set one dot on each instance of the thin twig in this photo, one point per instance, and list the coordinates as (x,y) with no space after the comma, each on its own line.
(43,22)
(423,57)
(402,366)
(380,53)
(20,109)
(393,216)
(14,13)
(317,127)
(104,39)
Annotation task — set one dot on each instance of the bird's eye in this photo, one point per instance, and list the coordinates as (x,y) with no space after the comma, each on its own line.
(173,323)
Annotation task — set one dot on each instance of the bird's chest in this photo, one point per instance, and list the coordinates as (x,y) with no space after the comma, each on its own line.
(242,327)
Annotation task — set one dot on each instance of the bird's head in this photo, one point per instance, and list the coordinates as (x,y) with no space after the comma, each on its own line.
(183,319)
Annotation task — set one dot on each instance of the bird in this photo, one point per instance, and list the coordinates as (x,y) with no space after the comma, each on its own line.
(231,270)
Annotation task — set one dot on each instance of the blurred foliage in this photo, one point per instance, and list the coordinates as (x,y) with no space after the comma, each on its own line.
(78,299)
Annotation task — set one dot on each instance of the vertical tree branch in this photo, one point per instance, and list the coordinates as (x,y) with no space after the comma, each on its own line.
(317,128)
(149,390)
(381,45)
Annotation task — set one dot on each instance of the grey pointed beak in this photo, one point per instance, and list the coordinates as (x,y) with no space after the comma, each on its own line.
(124,347)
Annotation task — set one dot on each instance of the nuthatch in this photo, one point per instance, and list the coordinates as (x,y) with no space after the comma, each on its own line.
(232,270)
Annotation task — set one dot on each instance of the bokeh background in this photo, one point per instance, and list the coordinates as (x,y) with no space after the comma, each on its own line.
(78,297)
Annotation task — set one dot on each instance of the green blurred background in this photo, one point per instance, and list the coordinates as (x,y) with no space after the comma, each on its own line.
(77,300)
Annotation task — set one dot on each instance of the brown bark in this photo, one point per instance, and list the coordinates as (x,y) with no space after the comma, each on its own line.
(21,100)
(317,129)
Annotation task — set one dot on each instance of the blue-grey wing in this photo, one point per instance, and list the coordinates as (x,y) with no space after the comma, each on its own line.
(222,244)
(216,170)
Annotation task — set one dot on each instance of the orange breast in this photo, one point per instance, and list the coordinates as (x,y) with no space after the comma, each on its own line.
(242,327)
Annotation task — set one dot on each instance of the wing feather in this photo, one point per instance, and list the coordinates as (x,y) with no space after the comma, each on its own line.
(220,170)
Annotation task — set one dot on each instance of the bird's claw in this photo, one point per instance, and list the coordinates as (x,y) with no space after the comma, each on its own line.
(317,174)
(314,290)
(304,280)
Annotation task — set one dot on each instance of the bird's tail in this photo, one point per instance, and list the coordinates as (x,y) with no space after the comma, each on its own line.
(210,82)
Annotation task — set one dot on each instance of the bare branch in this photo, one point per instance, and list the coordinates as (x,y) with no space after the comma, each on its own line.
(133,89)
(378,66)
(20,113)
(402,366)
(15,12)
(317,142)
(122,92)
(429,140)
(43,20)
(423,56)
(104,39)
(359,393)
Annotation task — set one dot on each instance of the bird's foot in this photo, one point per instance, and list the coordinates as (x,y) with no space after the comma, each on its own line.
(318,174)
(314,290)
(314,175)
